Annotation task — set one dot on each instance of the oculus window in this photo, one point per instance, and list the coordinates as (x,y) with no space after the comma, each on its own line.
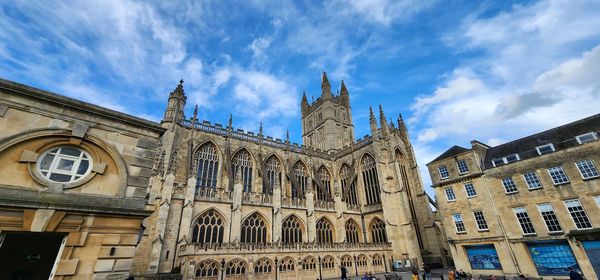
(65,164)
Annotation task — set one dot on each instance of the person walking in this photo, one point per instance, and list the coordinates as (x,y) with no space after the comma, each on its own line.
(451,274)
(344,272)
(574,275)
(427,272)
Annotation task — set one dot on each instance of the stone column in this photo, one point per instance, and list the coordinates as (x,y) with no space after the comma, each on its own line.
(236,211)
(161,223)
(311,219)
(339,211)
(276,228)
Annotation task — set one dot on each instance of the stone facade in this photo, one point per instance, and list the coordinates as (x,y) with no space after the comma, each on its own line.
(528,206)
(73,182)
(239,203)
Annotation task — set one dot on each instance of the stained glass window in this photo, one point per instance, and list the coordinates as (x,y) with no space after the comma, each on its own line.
(552,257)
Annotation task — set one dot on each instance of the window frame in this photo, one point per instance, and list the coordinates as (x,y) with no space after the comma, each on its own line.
(57,157)
(587,217)
(594,168)
(592,133)
(539,149)
(464,164)
(546,221)
(447,196)
(517,158)
(467,191)
(527,181)
(562,170)
(514,185)
(483,221)
(457,221)
(445,171)
(526,216)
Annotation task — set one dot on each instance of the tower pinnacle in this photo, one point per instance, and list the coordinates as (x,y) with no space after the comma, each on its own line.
(325,87)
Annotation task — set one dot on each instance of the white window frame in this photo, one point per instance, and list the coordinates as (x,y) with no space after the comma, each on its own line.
(518,210)
(567,202)
(538,148)
(457,221)
(495,159)
(539,207)
(446,170)
(458,165)
(467,191)
(562,170)
(593,134)
(515,155)
(513,184)
(487,227)
(59,156)
(536,178)
(447,196)
(593,168)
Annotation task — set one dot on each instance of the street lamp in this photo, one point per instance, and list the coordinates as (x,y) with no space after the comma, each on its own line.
(276,268)
(320,274)
(355,266)
(385,263)
(222,268)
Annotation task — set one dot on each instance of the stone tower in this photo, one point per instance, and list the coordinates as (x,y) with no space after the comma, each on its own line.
(327,122)
(177,99)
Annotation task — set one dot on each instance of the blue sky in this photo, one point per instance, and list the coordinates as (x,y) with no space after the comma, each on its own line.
(457,70)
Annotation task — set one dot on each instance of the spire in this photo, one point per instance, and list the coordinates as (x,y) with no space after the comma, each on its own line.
(392,123)
(175,105)
(230,126)
(325,87)
(402,126)
(179,92)
(195,116)
(260,130)
(287,136)
(383,122)
(304,103)
(373,123)
(344,94)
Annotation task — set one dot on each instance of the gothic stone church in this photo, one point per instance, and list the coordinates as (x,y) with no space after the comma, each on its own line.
(87,192)
(260,206)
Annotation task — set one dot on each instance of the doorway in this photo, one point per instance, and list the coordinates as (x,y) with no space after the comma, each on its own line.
(29,255)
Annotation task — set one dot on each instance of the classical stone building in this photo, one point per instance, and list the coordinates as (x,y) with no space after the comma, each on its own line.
(73,185)
(528,206)
(245,205)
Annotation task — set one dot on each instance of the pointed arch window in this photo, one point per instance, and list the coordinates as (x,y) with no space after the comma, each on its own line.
(208,229)
(351,232)
(346,261)
(324,231)
(324,178)
(243,161)
(254,229)
(273,173)
(403,175)
(287,264)
(263,265)
(309,263)
(235,267)
(207,268)
(369,172)
(291,230)
(328,262)
(301,180)
(378,234)
(348,188)
(377,260)
(362,260)
(207,163)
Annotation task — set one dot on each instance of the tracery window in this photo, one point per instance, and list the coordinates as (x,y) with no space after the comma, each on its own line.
(348,188)
(208,228)
(301,176)
(369,172)
(263,265)
(207,163)
(273,173)
(378,233)
(235,267)
(346,261)
(291,230)
(362,260)
(65,164)
(325,179)
(287,264)
(243,161)
(324,231)
(328,262)
(351,232)
(309,263)
(377,260)
(254,229)
(207,268)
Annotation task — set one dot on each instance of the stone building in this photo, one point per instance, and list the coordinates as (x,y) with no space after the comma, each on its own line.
(73,184)
(528,206)
(244,205)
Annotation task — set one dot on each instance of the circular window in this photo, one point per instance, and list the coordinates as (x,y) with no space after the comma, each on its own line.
(64,164)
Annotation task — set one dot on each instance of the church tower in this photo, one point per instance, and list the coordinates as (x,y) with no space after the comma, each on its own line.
(175,105)
(327,122)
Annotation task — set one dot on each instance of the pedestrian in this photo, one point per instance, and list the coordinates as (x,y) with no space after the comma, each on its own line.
(492,277)
(344,272)
(461,274)
(451,274)
(574,275)
(427,272)
(365,277)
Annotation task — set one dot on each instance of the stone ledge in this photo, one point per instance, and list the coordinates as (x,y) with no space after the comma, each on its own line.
(13,196)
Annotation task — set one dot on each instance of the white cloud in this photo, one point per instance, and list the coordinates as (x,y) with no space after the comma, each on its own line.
(384,11)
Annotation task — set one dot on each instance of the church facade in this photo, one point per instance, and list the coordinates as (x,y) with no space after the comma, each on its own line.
(238,204)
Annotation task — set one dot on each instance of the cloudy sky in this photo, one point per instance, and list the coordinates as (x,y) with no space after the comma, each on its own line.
(457,70)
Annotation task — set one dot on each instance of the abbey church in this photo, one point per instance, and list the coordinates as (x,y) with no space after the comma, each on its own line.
(129,197)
